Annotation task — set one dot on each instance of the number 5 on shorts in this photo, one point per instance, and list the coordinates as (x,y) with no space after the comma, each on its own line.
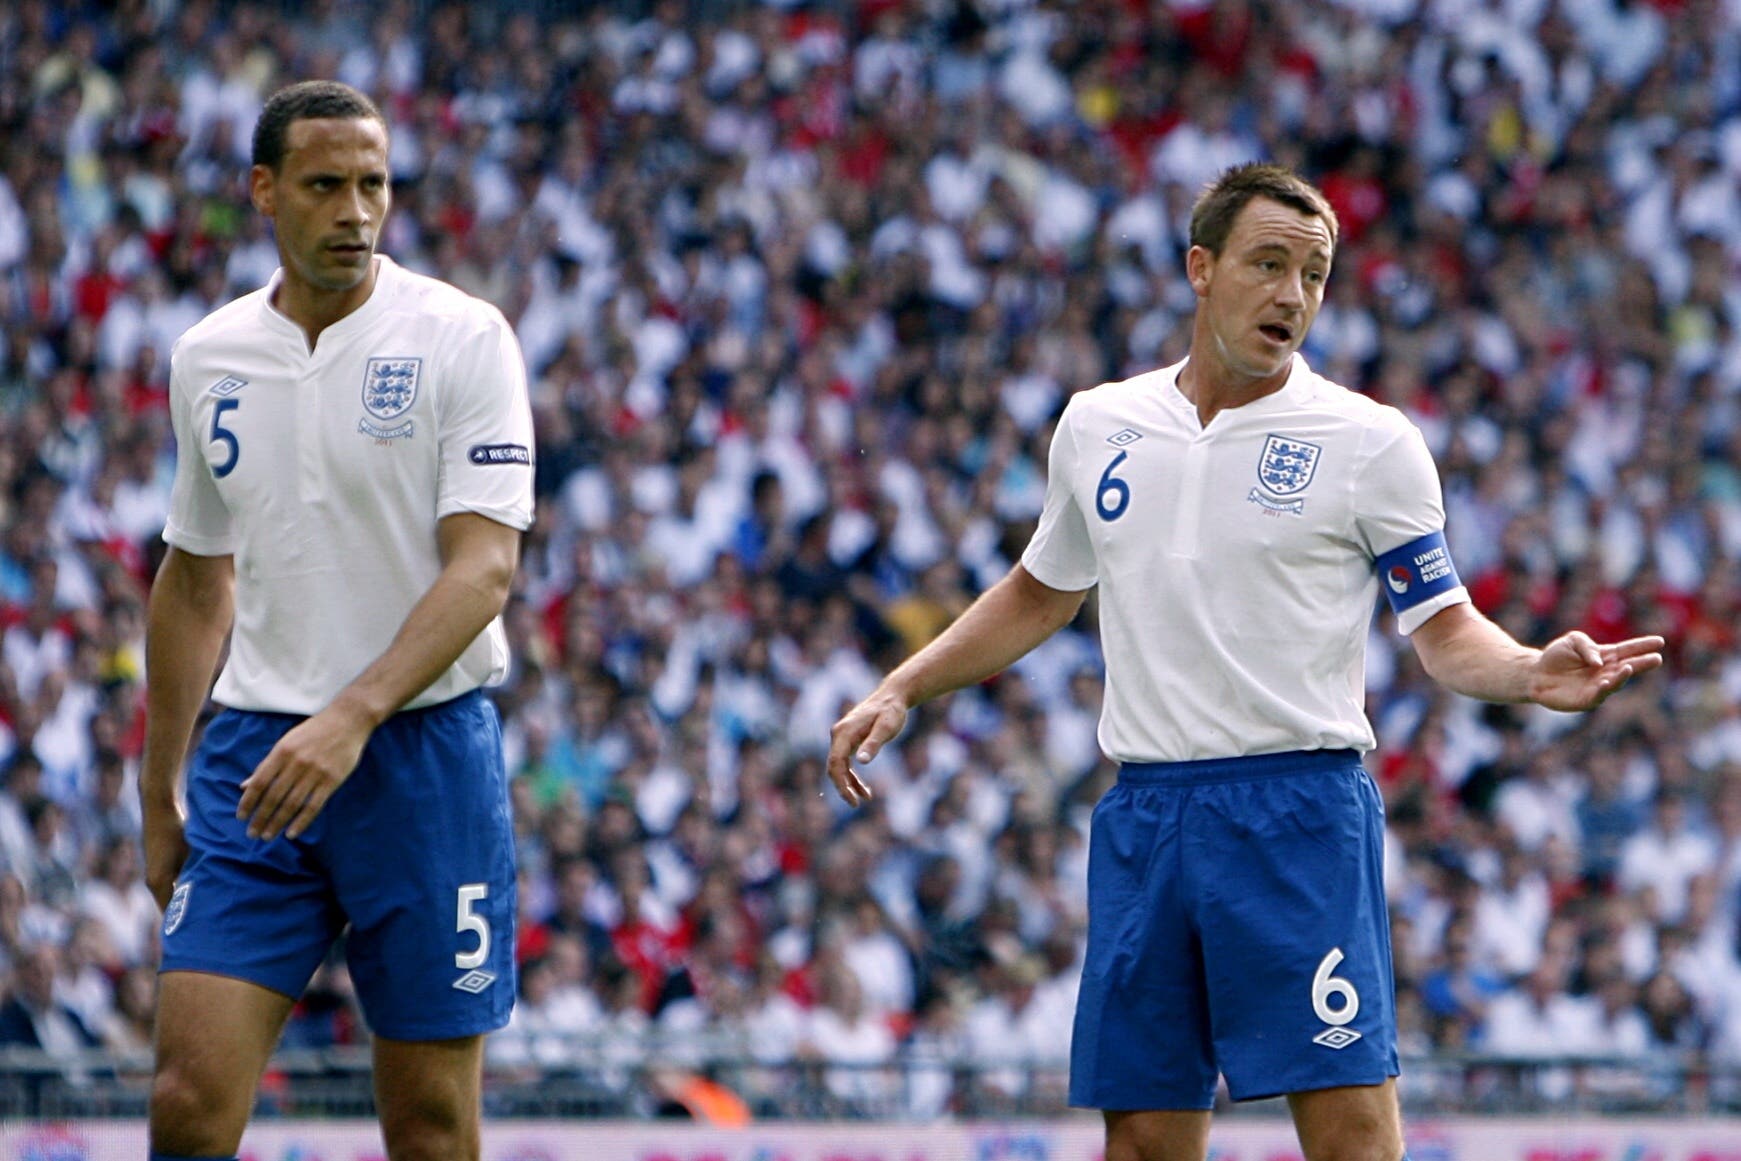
(470,920)
(1325,985)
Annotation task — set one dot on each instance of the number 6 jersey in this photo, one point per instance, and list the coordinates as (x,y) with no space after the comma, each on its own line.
(1239,563)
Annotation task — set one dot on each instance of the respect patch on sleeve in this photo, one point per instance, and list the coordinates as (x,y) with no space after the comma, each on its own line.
(499,453)
(1417,572)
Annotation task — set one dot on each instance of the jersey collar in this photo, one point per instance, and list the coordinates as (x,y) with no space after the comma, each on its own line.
(1293,392)
(386,273)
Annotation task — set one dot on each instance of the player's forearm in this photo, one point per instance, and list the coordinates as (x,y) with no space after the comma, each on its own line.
(188,616)
(1468,654)
(462,602)
(1008,620)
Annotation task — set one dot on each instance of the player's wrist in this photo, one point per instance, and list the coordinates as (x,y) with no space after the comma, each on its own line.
(358,711)
(899,691)
(158,800)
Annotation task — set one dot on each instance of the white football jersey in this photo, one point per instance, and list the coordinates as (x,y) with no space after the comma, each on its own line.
(324,473)
(1239,563)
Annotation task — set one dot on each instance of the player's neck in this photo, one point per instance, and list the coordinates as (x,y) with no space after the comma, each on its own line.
(1213,387)
(313,308)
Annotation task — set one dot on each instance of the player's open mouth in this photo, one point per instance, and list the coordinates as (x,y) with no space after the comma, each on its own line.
(1278,332)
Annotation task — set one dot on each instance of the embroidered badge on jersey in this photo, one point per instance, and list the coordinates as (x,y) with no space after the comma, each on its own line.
(1287,465)
(1284,469)
(389,390)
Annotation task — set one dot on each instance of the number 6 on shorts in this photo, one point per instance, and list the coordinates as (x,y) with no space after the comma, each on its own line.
(1324,986)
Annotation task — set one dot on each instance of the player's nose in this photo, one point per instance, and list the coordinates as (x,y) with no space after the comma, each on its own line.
(353,207)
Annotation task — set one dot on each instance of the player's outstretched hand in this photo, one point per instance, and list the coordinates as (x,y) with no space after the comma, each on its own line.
(858,736)
(1574,673)
(305,768)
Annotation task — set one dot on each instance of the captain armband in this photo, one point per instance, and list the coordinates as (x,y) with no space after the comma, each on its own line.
(1417,572)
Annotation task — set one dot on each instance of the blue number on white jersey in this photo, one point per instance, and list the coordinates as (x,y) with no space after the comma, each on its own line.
(1111,485)
(226,437)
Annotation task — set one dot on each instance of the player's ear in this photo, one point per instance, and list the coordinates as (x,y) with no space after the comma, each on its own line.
(262,191)
(1199,261)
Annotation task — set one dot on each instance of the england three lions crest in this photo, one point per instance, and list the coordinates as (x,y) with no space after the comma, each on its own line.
(389,390)
(1287,465)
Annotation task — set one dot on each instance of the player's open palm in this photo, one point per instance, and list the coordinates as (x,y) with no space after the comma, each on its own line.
(858,736)
(302,772)
(1574,673)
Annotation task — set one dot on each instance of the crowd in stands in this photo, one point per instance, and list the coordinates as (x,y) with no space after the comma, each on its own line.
(802,288)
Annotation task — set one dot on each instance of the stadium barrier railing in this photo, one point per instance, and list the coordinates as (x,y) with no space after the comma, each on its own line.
(601,1080)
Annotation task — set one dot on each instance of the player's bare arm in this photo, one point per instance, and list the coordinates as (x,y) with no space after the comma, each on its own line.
(192,604)
(1009,619)
(310,763)
(1465,652)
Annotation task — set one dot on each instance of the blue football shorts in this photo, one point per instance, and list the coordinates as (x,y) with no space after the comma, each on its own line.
(1236,924)
(415,852)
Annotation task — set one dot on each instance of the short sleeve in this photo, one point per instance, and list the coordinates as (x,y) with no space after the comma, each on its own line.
(199,521)
(1400,515)
(486,429)
(1061,553)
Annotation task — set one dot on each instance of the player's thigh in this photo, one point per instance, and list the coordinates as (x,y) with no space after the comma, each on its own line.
(1169,1135)
(214,1035)
(1356,1123)
(421,850)
(428,1093)
(1289,899)
(242,908)
(1141,1033)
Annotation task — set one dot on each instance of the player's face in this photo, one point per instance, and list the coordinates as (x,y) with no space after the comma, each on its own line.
(1260,295)
(327,199)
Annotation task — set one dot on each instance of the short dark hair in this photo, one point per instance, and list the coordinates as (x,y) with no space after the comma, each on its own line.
(306,101)
(1213,216)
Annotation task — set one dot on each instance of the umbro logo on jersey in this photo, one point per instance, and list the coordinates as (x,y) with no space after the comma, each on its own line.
(476,981)
(1123,437)
(228,385)
(1336,1037)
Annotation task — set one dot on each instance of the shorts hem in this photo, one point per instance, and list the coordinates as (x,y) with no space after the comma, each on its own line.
(459,1030)
(1126,1103)
(229,973)
(1357,1080)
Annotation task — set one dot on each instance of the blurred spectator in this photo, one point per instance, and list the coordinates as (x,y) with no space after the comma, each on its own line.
(1661,860)
(34,1017)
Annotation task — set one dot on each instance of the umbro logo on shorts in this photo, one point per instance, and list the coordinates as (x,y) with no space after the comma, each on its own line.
(476,981)
(1334,1037)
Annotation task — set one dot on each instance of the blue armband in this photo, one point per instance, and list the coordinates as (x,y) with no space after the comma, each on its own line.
(1417,572)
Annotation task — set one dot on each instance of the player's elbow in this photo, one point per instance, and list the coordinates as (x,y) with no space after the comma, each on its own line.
(493,578)
(198,585)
